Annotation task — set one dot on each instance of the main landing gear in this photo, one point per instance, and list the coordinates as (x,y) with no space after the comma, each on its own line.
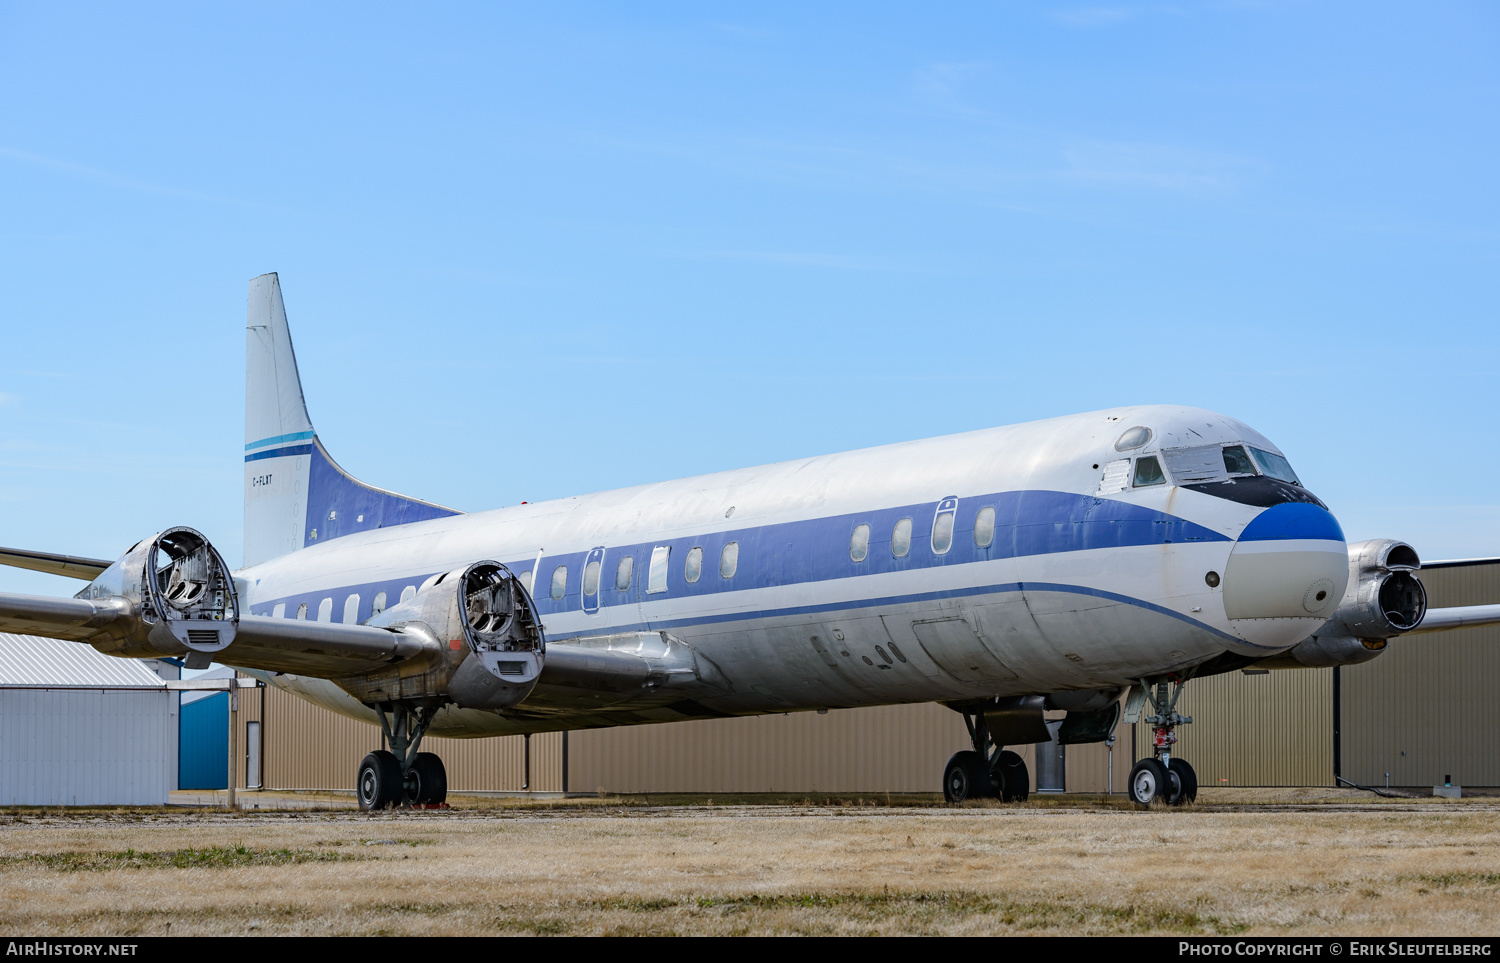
(986,771)
(402,776)
(1164,777)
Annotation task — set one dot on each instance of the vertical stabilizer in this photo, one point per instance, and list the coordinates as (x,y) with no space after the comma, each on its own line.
(278,433)
(295,494)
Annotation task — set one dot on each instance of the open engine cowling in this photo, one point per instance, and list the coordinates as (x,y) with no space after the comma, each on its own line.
(483,622)
(1383,600)
(178,585)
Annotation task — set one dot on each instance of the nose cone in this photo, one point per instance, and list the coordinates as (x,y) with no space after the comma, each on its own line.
(1286,574)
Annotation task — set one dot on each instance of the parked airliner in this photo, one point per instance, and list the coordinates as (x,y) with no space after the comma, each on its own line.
(1093,563)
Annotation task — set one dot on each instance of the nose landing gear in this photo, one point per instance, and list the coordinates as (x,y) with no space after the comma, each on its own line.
(1164,777)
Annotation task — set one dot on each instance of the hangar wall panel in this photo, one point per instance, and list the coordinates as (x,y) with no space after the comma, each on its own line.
(884,749)
(1426,708)
(1255,730)
(309,747)
(85,747)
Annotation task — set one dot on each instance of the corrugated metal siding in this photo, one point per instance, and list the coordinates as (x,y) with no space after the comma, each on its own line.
(1426,708)
(31,660)
(308,747)
(1255,730)
(85,747)
(886,749)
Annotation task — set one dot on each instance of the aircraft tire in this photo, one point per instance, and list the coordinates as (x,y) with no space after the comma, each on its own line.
(378,784)
(427,783)
(1185,781)
(1012,782)
(966,776)
(1148,782)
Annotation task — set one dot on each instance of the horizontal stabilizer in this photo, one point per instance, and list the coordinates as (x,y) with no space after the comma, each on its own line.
(71,566)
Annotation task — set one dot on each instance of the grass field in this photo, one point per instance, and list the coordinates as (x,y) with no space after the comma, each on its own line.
(1274,865)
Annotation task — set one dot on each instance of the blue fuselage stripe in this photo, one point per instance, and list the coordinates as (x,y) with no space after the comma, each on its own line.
(1027,523)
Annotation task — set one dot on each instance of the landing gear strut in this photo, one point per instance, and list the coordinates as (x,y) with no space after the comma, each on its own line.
(986,770)
(1164,777)
(401,775)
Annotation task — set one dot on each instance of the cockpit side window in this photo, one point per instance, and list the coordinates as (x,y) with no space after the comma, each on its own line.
(1275,466)
(1148,472)
(1237,461)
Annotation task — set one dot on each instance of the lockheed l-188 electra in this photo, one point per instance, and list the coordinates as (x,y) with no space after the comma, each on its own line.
(1093,564)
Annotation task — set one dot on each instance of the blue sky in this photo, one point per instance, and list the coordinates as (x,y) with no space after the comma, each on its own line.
(532,251)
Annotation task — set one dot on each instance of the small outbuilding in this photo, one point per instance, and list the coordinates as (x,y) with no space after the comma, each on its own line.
(78,728)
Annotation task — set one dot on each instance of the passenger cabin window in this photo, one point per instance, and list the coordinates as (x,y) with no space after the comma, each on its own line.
(1275,466)
(984,527)
(1148,472)
(901,538)
(1237,461)
(591,578)
(623,573)
(325,610)
(351,609)
(302,611)
(942,526)
(693,567)
(859,543)
(656,575)
(278,611)
(559,581)
(408,593)
(729,560)
(378,605)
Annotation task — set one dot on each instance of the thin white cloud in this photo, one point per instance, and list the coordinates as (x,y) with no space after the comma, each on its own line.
(1092,17)
(946,78)
(112,179)
(1154,165)
(795,258)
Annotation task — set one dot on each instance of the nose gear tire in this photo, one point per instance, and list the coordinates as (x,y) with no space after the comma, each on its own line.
(1186,780)
(1148,782)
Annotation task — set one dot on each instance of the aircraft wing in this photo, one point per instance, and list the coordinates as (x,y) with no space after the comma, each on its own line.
(72,620)
(324,649)
(73,566)
(1457,617)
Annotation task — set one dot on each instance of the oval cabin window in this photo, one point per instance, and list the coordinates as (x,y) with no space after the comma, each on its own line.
(984,527)
(901,538)
(859,543)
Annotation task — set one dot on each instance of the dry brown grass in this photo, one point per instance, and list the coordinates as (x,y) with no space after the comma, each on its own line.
(791,868)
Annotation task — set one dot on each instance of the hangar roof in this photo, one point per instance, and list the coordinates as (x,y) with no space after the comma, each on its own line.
(27,660)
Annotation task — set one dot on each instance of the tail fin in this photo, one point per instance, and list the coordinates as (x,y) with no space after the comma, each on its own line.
(295,494)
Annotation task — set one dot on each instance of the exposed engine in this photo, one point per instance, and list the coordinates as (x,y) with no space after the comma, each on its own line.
(183,593)
(1383,600)
(484,641)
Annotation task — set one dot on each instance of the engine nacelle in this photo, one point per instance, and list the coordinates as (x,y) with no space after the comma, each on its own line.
(183,593)
(482,622)
(1383,600)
